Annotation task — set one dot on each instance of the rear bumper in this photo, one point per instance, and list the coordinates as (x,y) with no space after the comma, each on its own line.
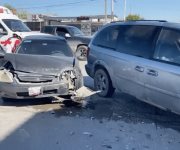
(89,70)
(21,91)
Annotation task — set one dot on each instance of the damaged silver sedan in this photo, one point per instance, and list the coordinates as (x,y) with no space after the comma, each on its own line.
(43,66)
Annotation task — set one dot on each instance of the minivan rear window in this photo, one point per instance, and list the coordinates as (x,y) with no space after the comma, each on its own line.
(107,37)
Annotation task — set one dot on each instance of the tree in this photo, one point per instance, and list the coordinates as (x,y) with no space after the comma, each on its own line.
(20,13)
(10,7)
(134,17)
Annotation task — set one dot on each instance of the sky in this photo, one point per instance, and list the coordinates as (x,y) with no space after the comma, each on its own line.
(148,9)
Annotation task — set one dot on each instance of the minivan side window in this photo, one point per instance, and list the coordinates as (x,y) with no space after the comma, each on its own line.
(137,40)
(168,47)
(107,37)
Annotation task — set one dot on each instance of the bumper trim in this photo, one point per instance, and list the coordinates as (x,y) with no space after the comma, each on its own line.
(21,91)
(89,71)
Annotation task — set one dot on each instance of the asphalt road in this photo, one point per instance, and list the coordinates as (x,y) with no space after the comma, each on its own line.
(118,123)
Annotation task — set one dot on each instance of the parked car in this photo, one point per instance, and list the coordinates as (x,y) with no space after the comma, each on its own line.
(75,37)
(43,66)
(141,58)
(12,30)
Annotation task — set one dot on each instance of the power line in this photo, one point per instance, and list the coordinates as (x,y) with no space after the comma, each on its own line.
(56,5)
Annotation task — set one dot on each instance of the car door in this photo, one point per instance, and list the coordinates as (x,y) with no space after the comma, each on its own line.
(48,29)
(163,73)
(60,31)
(5,42)
(135,48)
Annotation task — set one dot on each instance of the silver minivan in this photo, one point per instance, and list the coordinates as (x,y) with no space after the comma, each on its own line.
(141,58)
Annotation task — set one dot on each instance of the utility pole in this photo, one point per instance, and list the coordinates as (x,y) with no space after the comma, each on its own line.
(105,9)
(112,10)
(124,10)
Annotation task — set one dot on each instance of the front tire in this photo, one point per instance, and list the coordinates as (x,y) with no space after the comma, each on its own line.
(103,83)
(81,53)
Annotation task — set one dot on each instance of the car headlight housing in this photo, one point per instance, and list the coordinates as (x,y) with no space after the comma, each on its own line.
(69,78)
(6,76)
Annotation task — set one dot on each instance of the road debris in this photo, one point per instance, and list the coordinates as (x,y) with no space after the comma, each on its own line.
(107,146)
(88,134)
(83,93)
(57,99)
(72,133)
(92,118)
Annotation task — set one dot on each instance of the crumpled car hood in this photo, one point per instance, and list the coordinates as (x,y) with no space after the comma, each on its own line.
(40,64)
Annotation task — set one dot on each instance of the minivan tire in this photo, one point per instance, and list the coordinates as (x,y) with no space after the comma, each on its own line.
(103,83)
(81,53)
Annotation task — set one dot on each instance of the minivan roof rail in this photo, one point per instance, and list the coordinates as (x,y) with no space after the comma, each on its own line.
(139,20)
(150,20)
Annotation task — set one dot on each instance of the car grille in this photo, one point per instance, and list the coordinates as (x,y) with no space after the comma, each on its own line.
(35,79)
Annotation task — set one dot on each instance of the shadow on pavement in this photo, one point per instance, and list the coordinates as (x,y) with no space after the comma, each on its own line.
(122,107)
(67,128)
(25,102)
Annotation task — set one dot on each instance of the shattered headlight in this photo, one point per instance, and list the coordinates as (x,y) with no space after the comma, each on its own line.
(6,76)
(69,78)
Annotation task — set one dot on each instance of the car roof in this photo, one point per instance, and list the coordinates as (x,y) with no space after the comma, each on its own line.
(160,23)
(67,26)
(44,37)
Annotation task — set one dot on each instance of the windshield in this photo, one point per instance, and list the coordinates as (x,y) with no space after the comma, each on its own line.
(45,47)
(16,25)
(75,31)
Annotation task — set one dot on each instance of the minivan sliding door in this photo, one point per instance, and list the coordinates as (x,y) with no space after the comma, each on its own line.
(163,74)
(135,48)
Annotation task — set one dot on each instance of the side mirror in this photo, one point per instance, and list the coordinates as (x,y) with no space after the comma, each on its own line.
(3,32)
(67,35)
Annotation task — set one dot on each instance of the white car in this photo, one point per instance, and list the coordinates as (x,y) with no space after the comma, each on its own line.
(12,30)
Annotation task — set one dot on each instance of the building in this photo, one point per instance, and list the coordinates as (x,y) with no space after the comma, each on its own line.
(88,24)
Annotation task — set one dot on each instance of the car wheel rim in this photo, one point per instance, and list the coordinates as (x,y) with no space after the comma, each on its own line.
(101,83)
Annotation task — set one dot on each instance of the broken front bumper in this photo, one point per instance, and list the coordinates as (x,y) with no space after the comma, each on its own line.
(22,91)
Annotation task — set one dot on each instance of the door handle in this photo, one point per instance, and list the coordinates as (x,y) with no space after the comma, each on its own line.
(139,68)
(152,72)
